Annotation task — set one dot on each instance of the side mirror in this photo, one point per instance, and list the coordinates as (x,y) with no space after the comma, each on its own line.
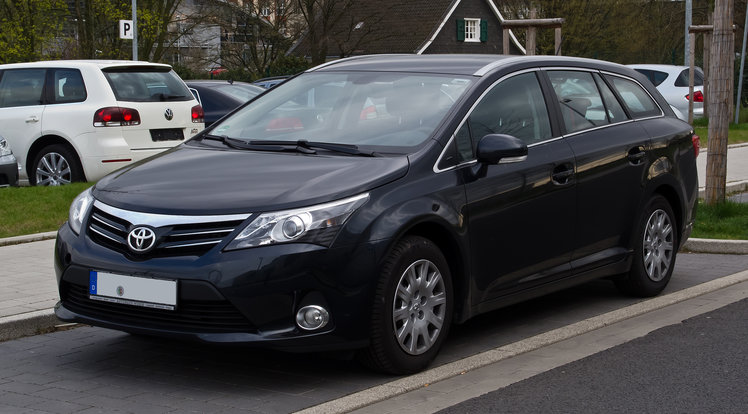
(501,149)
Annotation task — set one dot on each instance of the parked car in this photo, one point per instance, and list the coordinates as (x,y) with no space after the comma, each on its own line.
(270,82)
(371,202)
(8,165)
(80,120)
(218,98)
(672,82)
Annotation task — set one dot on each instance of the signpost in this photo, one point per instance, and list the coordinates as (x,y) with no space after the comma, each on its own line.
(128,30)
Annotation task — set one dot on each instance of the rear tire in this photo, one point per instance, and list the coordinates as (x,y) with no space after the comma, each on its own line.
(655,247)
(55,165)
(412,310)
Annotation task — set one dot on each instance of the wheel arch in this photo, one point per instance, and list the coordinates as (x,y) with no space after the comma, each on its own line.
(45,141)
(448,244)
(675,202)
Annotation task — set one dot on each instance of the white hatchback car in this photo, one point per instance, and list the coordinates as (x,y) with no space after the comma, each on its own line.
(672,82)
(80,120)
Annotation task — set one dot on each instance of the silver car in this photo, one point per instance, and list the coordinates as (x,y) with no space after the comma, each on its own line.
(8,165)
(672,82)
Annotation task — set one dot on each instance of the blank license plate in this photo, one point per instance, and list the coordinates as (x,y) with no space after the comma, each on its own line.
(172,134)
(130,290)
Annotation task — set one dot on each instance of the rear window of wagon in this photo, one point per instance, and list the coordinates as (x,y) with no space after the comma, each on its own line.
(146,84)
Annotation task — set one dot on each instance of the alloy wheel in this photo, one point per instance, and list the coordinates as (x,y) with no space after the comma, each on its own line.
(419,307)
(658,245)
(53,169)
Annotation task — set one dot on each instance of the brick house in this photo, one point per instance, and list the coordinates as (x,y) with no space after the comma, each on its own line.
(415,26)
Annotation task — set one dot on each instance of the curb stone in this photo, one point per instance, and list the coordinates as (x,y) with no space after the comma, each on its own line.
(28,238)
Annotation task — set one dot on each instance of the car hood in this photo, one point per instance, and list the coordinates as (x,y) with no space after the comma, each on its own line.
(197,181)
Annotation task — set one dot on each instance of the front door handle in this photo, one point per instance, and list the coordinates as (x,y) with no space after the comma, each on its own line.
(563,173)
(636,155)
(32,119)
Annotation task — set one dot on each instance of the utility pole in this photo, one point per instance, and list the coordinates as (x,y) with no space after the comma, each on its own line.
(720,96)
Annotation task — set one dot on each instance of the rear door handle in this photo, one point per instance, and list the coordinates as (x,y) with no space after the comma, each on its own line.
(563,173)
(32,119)
(636,155)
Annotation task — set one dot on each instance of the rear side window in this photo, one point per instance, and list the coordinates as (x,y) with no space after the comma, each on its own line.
(682,79)
(655,76)
(581,104)
(68,86)
(636,99)
(22,87)
(146,84)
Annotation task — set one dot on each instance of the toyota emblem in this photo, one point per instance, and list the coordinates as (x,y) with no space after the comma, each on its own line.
(141,239)
(168,114)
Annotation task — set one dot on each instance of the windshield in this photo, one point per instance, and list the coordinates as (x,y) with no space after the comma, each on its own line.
(361,108)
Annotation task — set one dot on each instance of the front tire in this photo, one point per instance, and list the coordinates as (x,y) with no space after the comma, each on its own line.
(412,311)
(655,247)
(55,165)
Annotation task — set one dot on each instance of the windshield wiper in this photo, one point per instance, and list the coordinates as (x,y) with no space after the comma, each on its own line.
(312,145)
(253,146)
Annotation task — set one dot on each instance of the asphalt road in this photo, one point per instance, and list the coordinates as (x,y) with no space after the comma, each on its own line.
(697,366)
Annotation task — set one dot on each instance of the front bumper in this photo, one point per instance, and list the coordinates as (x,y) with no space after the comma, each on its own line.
(8,171)
(248,296)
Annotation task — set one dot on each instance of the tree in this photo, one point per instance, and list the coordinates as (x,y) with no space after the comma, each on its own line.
(257,34)
(28,28)
(719,97)
(320,17)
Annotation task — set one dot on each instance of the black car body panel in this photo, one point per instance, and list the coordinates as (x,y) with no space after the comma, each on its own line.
(564,213)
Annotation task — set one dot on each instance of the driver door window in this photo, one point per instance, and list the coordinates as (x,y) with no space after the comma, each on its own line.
(514,107)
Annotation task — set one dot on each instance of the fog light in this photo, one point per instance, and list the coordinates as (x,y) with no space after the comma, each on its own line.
(312,317)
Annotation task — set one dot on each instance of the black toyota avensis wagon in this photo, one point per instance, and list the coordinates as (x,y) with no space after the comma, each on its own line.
(371,202)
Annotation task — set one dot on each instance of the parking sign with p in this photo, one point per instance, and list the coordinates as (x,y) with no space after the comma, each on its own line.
(126,29)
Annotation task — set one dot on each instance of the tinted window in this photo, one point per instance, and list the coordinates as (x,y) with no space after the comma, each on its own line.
(146,84)
(613,108)
(638,101)
(581,104)
(68,86)
(22,87)
(655,76)
(514,107)
(682,79)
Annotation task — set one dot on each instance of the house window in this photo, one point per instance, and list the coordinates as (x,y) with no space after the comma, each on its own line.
(472,27)
(472,30)
(265,11)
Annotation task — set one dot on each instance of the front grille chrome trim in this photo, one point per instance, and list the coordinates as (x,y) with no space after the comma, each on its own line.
(161,220)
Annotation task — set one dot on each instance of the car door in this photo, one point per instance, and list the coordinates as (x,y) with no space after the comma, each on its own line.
(21,108)
(520,214)
(612,160)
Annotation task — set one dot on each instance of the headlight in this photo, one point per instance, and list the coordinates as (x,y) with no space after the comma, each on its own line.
(316,224)
(79,209)
(4,147)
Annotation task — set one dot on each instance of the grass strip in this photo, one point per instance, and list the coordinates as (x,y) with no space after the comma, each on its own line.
(29,210)
(725,221)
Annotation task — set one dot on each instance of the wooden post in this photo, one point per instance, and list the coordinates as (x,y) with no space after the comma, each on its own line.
(691,70)
(707,54)
(532,33)
(557,42)
(720,91)
(531,24)
(505,40)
